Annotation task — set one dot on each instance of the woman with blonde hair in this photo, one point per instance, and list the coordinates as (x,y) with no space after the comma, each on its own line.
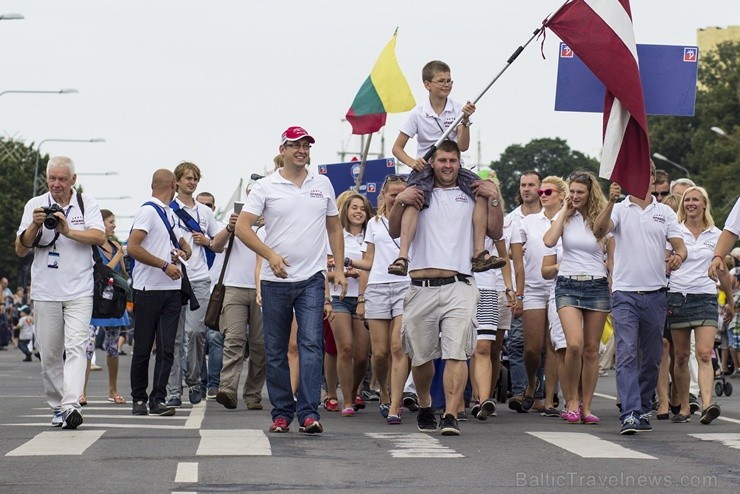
(692,303)
(581,292)
(528,247)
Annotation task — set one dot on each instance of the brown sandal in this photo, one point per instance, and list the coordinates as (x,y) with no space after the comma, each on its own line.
(400,267)
(481,263)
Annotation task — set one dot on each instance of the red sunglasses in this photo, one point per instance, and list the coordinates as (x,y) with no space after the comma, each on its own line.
(547,192)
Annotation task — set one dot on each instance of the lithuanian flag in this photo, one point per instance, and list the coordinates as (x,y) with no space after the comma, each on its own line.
(384,91)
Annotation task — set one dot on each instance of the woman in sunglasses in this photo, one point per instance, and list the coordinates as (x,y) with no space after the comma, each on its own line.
(581,292)
(527,246)
(382,304)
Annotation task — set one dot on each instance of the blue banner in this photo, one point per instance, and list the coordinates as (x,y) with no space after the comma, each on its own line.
(668,75)
(344,175)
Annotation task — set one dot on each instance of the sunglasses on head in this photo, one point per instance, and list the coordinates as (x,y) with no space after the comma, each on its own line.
(394,178)
(547,192)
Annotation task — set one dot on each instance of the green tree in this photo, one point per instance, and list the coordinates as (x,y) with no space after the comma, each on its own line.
(712,160)
(548,156)
(17,165)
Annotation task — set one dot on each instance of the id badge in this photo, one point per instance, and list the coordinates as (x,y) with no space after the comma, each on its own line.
(53,260)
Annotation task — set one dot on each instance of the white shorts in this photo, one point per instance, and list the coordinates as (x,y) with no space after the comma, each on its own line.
(535,298)
(557,336)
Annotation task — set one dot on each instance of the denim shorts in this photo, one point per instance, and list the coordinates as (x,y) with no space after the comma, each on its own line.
(692,310)
(348,305)
(587,295)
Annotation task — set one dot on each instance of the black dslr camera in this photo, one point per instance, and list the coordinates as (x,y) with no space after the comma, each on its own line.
(51,221)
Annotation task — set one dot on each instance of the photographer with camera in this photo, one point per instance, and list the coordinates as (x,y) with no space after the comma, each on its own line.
(54,226)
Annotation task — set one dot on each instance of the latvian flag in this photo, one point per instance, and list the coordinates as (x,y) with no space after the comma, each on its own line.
(600,33)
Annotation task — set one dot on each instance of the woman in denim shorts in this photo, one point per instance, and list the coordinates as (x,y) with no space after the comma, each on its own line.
(692,303)
(581,291)
(382,304)
(350,334)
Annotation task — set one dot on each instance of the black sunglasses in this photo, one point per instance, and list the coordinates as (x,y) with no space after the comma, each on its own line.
(660,194)
(394,178)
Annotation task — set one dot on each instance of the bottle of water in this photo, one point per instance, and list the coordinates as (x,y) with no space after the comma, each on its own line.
(108,291)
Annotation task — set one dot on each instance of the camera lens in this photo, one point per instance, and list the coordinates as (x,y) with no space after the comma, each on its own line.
(51,221)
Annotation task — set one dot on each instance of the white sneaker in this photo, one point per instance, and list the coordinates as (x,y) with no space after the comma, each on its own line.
(57,419)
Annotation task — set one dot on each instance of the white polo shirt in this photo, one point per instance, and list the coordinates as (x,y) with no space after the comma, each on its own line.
(531,230)
(202,214)
(444,232)
(640,237)
(242,261)
(424,124)
(353,250)
(732,224)
(157,242)
(73,276)
(582,253)
(295,222)
(386,251)
(692,277)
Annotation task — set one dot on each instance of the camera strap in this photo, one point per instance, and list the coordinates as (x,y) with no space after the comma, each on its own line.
(37,240)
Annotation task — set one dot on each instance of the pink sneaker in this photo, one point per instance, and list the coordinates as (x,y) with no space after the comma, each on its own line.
(573,417)
(348,412)
(590,419)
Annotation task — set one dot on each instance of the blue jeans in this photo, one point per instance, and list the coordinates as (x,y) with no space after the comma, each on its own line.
(638,328)
(279,300)
(515,350)
(215,358)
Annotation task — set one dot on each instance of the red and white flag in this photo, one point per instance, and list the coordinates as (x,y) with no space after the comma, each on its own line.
(600,33)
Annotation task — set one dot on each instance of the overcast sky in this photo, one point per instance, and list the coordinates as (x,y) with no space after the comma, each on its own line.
(217,82)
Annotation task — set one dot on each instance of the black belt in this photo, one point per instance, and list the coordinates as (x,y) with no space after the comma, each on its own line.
(440,281)
(664,289)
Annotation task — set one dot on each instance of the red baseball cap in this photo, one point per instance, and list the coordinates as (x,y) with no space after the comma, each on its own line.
(296,134)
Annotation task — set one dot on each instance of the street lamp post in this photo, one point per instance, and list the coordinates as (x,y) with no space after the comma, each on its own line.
(718,130)
(38,156)
(11,17)
(34,91)
(663,158)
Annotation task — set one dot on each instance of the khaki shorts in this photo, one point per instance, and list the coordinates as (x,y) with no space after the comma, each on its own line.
(439,322)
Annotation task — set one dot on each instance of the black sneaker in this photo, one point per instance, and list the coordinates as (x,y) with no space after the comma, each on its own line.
(475,409)
(139,408)
(425,420)
(448,426)
(710,413)
(175,401)
(163,410)
(410,401)
(644,423)
(515,403)
(694,405)
(194,395)
(630,425)
(487,408)
(72,419)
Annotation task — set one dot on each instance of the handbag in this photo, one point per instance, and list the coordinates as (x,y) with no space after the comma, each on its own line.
(216,300)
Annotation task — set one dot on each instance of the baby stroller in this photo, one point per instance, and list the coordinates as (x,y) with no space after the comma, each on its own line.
(721,385)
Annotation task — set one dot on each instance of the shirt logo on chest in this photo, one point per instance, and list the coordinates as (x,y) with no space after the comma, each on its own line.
(316,193)
(659,218)
(462,197)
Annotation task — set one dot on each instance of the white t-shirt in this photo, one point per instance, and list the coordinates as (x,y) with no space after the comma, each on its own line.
(732,224)
(424,124)
(295,222)
(157,242)
(386,251)
(444,232)
(242,261)
(692,276)
(353,250)
(640,236)
(202,214)
(487,279)
(556,251)
(582,253)
(511,223)
(218,261)
(73,275)
(531,230)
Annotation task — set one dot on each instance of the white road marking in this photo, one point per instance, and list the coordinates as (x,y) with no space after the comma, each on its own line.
(187,472)
(233,442)
(110,426)
(608,397)
(728,439)
(588,445)
(196,416)
(125,409)
(415,445)
(58,443)
(128,416)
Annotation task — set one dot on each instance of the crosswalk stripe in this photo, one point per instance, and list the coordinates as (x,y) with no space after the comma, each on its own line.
(197,414)
(127,416)
(728,439)
(415,445)
(58,443)
(588,445)
(233,442)
(187,472)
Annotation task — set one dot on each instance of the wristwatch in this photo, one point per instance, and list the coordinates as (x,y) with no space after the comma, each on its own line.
(495,202)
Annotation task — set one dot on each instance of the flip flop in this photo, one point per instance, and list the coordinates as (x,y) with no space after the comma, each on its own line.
(118,400)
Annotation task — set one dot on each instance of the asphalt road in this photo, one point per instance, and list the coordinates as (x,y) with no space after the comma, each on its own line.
(206,448)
